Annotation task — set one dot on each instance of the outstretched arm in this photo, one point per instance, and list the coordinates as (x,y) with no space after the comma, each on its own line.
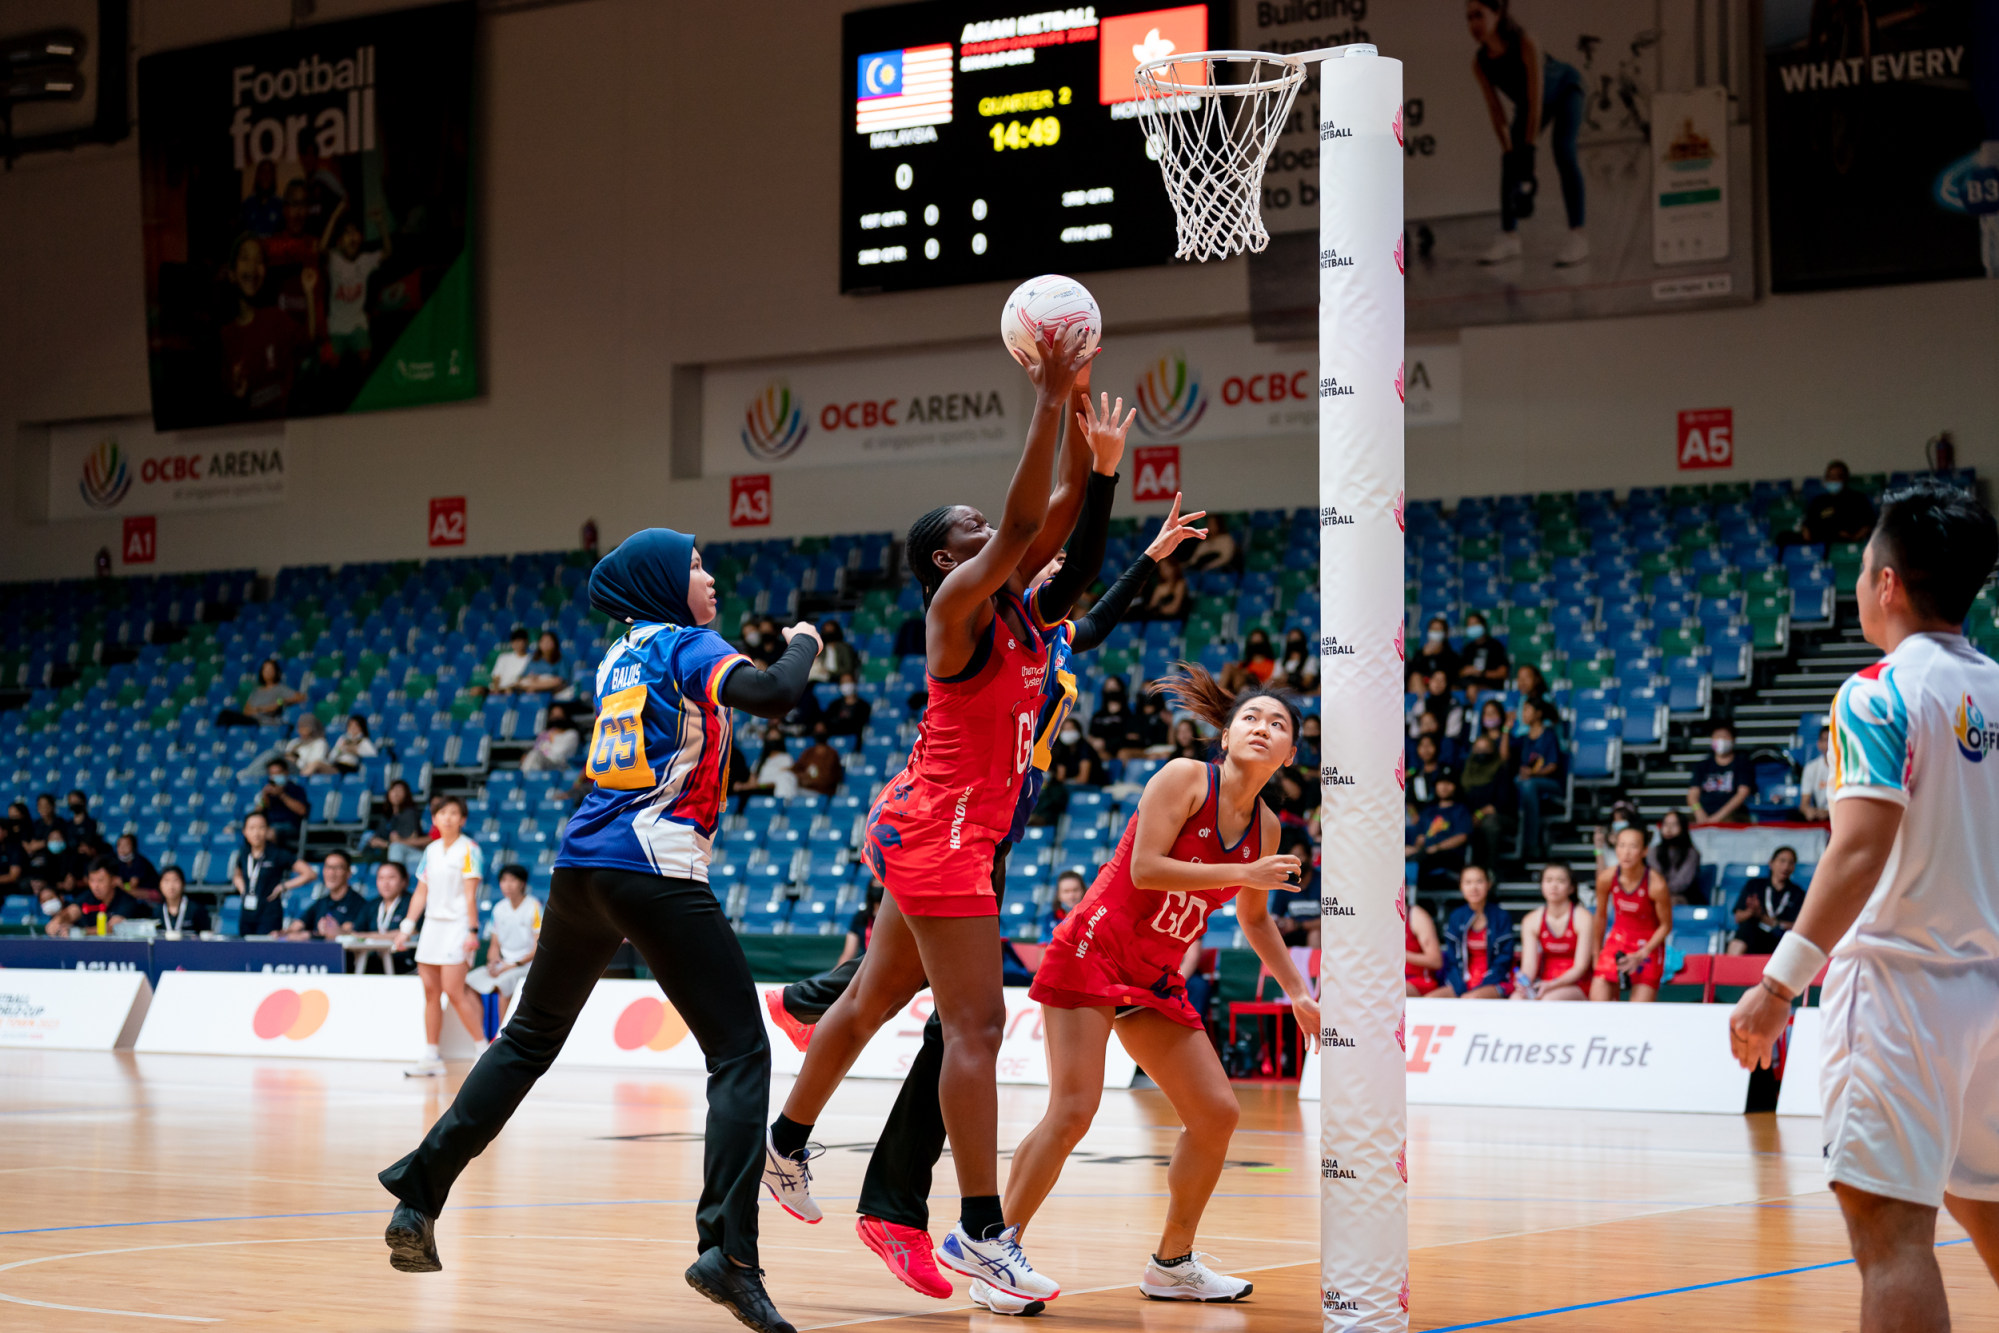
(1094,626)
(773,692)
(1071,488)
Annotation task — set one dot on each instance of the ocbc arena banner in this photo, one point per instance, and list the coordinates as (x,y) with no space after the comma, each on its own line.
(126,467)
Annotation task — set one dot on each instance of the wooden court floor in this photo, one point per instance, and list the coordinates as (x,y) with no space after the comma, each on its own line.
(145,1192)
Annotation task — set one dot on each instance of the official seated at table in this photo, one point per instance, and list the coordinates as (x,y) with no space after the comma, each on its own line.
(338,909)
(260,875)
(176,912)
(101,897)
(391,884)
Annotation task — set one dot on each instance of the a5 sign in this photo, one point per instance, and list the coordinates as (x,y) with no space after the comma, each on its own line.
(1706,438)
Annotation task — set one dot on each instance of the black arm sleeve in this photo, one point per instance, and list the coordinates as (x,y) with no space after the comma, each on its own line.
(774,692)
(1086,551)
(1095,625)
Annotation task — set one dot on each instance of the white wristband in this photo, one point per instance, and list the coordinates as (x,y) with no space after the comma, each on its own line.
(1795,963)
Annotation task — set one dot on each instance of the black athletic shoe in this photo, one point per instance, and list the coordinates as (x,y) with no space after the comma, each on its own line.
(412,1239)
(738,1290)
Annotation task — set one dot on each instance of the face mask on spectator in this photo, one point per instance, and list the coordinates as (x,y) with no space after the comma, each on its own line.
(50,906)
(1474,631)
(1434,638)
(848,689)
(752,637)
(1834,487)
(55,844)
(1070,735)
(1723,746)
(1619,825)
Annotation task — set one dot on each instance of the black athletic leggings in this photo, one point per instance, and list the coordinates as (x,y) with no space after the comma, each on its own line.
(679,929)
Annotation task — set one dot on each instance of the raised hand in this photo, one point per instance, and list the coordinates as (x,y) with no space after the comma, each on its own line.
(1177,528)
(1061,359)
(1104,431)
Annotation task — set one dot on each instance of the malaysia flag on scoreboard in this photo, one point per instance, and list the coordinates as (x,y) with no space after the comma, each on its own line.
(900,89)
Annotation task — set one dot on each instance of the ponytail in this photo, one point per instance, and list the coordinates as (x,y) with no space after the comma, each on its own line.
(1193,689)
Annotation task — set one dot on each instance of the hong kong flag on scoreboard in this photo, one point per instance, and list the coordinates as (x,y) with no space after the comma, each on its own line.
(895,90)
(1129,40)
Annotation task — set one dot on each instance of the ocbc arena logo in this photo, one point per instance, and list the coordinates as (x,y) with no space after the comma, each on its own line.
(1975,739)
(774,423)
(1169,397)
(106,476)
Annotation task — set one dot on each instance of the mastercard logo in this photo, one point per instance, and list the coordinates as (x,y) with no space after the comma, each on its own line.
(650,1023)
(290,1013)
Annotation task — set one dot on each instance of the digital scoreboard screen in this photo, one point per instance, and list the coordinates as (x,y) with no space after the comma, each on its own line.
(983,142)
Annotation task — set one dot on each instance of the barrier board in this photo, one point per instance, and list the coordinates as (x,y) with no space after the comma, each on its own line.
(70,1009)
(1598,1057)
(1799,1092)
(332,1017)
(629,1025)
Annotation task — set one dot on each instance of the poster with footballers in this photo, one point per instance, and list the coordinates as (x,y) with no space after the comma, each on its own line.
(308,218)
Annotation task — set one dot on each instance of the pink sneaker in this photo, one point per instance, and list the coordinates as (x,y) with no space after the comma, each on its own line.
(907,1253)
(800,1033)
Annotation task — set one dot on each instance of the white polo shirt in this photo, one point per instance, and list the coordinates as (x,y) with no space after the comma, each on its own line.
(513,928)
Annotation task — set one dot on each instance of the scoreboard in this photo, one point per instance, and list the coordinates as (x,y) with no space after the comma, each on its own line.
(983,141)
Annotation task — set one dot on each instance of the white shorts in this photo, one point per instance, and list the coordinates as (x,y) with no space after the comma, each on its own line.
(1911,1077)
(507,983)
(442,943)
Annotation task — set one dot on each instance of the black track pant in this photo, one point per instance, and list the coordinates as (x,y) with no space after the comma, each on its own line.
(897,1186)
(679,929)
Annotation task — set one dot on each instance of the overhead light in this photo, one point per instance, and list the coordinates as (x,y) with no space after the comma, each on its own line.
(57,46)
(42,85)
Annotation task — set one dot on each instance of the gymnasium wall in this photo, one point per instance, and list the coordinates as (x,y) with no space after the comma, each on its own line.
(659,189)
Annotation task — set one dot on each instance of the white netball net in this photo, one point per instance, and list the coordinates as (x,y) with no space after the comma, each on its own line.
(1211,119)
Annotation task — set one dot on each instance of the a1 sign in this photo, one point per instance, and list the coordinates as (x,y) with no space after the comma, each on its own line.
(1707,438)
(141,539)
(1155,472)
(749,501)
(447,521)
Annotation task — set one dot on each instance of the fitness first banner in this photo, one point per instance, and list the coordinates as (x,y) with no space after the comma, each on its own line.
(1882,142)
(1554,167)
(308,220)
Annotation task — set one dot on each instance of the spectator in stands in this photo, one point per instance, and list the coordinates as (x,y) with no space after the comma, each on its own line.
(818,769)
(1423,951)
(347,753)
(1530,683)
(1676,858)
(49,824)
(1169,595)
(13,863)
(1256,665)
(1767,908)
(862,925)
(838,658)
(1187,742)
(513,932)
(1073,759)
(337,909)
(1113,728)
(556,744)
(177,913)
(1295,910)
(1153,735)
(1487,780)
(1293,792)
(1485,665)
(848,715)
(1492,725)
(1449,751)
(910,637)
(511,663)
(774,776)
(1298,667)
(392,882)
(1443,704)
(1309,738)
(1723,782)
(1815,786)
(762,642)
(19,823)
(307,750)
(1541,765)
(1069,890)
(543,673)
(1838,513)
(1423,774)
(401,828)
(1443,834)
(1480,942)
(1436,653)
(102,899)
(82,824)
(266,703)
(1554,941)
(259,875)
(1413,696)
(1220,550)
(1622,816)
(282,802)
(133,872)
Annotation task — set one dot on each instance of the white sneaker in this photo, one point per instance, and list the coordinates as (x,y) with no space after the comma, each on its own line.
(790,1183)
(998,1262)
(1191,1281)
(1504,247)
(988,1297)
(425,1069)
(1574,250)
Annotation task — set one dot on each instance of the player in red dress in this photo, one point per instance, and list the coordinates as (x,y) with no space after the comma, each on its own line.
(932,837)
(1634,899)
(1554,941)
(1198,840)
(1423,952)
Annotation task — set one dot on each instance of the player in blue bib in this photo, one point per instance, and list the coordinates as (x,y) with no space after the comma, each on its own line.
(634,865)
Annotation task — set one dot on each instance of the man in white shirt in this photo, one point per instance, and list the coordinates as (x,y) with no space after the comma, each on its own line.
(511,933)
(509,665)
(1906,898)
(1815,786)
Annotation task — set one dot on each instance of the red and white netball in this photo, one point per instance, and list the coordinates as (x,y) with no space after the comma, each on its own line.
(1044,306)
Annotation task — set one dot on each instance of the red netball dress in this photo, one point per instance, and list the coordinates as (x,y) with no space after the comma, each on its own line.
(1422,978)
(933,831)
(1635,921)
(1558,952)
(1122,945)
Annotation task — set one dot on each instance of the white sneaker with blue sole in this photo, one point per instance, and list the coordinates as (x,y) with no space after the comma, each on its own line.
(998,1263)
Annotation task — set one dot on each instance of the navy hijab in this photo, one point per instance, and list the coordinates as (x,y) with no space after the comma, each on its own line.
(645,578)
